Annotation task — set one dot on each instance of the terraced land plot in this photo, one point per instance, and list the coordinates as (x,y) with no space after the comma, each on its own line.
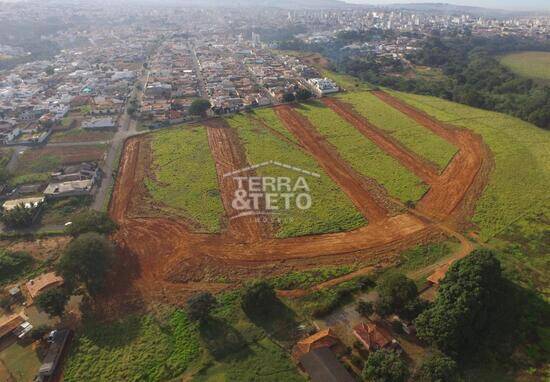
(183,176)
(362,154)
(330,211)
(406,131)
(519,181)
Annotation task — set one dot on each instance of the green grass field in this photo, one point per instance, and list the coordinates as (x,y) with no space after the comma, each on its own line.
(534,65)
(331,209)
(524,249)
(184,176)
(21,363)
(413,136)
(520,179)
(362,154)
(135,349)
(81,135)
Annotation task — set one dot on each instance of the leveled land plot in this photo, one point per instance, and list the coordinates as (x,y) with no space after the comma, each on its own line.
(529,64)
(519,181)
(363,155)
(135,349)
(184,176)
(331,210)
(406,131)
(20,362)
(82,135)
(36,164)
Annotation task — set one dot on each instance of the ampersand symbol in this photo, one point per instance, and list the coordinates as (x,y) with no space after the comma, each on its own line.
(240,201)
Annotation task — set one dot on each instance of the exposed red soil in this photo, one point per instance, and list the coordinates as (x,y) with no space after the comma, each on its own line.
(357,187)
(229,156)
(161,259)
(415,163)
(452,196)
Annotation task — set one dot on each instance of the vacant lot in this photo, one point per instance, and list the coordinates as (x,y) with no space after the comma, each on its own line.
(37,162)
(135,349)
(362,154)
(183,176)
(406,131)
(81,135)
(20,363)
(529,64)
(331,210)
(519,181)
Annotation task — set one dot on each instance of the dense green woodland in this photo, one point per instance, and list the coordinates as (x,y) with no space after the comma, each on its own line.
(470,71)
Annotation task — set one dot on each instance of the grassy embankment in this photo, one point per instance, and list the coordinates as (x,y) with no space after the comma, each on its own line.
(406,131)
(362,154)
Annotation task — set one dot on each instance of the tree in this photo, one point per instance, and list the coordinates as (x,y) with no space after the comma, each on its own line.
(38,332)
(258,298)
(53,301)
(396,291)
(199,107)
(19,217)
(385,366)
(289,97)
(364,308)
(475,307)
(91,221)
(86,260)
(200,305)
(303,94)
(438,368)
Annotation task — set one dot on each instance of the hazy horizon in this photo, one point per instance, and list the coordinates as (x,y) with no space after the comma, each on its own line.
(526,5)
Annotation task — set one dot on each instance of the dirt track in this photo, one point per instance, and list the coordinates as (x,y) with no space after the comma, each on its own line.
(161,259)
(229,156)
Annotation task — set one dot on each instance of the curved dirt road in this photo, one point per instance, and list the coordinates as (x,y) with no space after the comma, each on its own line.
(162,258)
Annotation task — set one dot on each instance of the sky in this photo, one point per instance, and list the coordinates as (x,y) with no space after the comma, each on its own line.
(498,4)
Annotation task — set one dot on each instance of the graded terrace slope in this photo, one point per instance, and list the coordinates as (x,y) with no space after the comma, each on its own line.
(265,140)
(183,176)
(521,175)
(363,154)
(405,130)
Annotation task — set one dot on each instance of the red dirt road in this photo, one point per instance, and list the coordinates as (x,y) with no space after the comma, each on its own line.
(229,156)
(452,196)
(352,183)
(160,259)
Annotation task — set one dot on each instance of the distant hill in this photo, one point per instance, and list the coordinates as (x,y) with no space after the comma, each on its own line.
(284,4)
(446,8)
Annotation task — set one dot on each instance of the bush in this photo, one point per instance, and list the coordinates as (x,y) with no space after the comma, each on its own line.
(14,264)
(200,305)
(19,217)
(86,260)
(199,107)
(53,301)
(91,221)
(258,298)
(438,368)
(385,366)
(396,291)
(364,308)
